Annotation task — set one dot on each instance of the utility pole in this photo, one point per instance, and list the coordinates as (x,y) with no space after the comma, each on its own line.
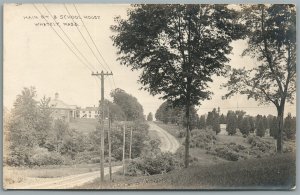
(102,74)
(130,143)
(124,129)
(109,143)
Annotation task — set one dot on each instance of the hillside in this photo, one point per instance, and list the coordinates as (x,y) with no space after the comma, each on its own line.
(83,125)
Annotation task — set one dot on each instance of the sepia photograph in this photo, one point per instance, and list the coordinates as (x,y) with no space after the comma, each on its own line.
(149,96)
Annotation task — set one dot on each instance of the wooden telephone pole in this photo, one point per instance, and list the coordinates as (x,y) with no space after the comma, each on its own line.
(130,143)
(124,134)
(109,144)
(102,74)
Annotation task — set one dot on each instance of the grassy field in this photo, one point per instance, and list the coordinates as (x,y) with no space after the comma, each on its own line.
(83,125)
(274,172)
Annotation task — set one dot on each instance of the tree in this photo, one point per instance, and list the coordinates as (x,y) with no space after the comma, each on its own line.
(132,109)
(115,111)
(245,127)
(60,131)
(260,129)
(222,119)
(265,122)
(216,125)
(209,119)
(271,33)
(274,128)
(231,123)
(44,120)
(252,125)
(202,123)
(290,127)
(161,113)
(169,113)
(176,51)
(22,127)
(150,117)
(240,114)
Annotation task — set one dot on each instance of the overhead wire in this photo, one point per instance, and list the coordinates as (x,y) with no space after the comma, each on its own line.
(91,38)
(85,38)
(68,37)
(94,44)
(84,63)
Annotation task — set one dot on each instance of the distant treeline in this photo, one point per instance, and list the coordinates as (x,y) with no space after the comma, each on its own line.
(234,120)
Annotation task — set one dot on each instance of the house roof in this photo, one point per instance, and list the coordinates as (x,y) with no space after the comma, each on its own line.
(89,109)
(56,103)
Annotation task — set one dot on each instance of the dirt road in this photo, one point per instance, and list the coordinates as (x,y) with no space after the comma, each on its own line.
(60,183)
(168,141)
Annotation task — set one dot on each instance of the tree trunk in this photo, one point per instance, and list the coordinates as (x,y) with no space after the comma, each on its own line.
(280,111)
(187,137)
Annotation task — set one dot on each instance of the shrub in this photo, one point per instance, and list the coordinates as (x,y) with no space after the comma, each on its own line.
(202,138)
(181,133)
(161,163)
(259,143)
(227,153)
(43,157)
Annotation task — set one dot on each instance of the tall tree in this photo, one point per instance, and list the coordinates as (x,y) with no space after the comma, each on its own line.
(216,125)
(260,129)
(265,122)
(231,123)
(44,122)
(209,119)
(178,48)
(251,123)
(240,114)
(222,119)
(271,33)
(23,126)
(132,109)
(150,117)
(202,123)
(160,113)
(115,111)
(290,127)
(245,127)
(274,128)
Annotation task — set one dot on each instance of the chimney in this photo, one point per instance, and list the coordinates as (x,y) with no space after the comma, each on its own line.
(56,95)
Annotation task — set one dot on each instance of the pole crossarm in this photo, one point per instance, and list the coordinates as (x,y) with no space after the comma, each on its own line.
(102,74)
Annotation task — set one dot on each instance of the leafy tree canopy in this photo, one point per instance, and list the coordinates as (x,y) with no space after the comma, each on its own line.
(132,109)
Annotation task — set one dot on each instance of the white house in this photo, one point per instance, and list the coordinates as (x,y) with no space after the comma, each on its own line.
(61,110)
(89,112)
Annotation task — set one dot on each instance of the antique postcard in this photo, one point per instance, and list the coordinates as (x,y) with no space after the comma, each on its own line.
(149,96)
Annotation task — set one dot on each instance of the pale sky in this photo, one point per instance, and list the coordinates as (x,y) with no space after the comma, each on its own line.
(36,56)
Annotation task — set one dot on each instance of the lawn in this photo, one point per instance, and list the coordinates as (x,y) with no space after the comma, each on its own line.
(83,125)
(273,172)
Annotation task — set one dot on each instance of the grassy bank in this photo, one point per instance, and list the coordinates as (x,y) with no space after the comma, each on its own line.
(273,172)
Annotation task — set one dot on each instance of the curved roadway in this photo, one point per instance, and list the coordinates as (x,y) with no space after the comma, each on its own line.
(168,142)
